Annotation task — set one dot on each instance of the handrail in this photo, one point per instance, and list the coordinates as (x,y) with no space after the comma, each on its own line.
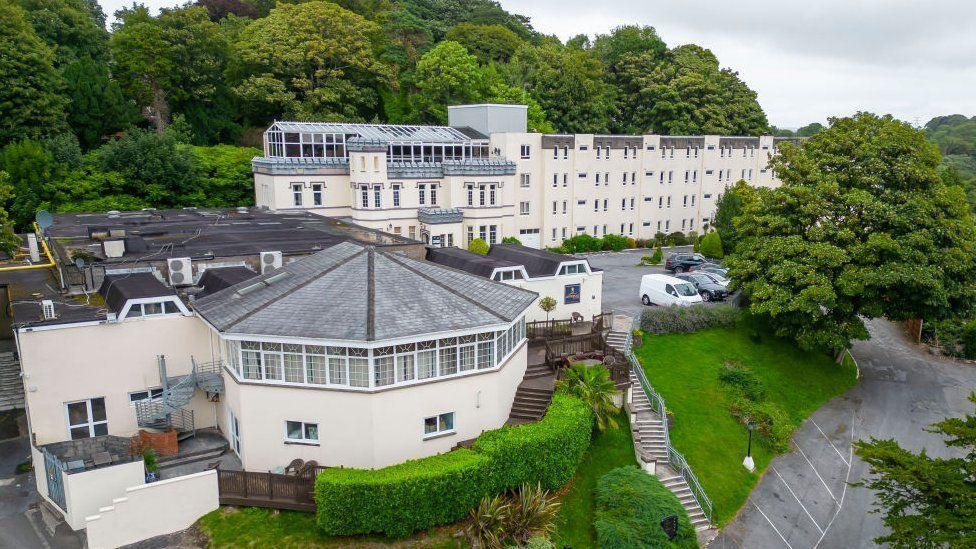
(47,252)
(675,458)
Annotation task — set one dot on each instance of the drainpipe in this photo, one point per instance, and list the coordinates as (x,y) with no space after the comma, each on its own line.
(162,373)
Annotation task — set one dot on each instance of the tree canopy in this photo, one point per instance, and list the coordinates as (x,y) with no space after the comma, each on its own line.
(862,226)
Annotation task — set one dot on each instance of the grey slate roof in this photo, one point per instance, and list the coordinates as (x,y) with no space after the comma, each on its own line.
(434,216)
(352,292)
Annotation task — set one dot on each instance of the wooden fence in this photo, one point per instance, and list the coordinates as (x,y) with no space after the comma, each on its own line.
(558,351)
(277,491)
(546,329)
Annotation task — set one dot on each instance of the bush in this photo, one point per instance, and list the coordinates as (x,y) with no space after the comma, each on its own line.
(632,243)
(478,246)
(582,243)
(674,320)
(968,340)
(511,240)
(742,380)
(711,246)
(614,242)
(442,489)
(772,424)
(404,498)
(629,507)
(658,256)
(676,238)
(545,452)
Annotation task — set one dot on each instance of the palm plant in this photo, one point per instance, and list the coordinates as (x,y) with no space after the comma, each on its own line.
(592,385)
(488,520)
(531,514)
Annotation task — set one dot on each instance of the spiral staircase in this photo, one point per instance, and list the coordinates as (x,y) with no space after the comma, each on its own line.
(169,410)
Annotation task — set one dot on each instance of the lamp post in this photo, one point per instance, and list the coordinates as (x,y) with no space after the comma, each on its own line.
(748,463)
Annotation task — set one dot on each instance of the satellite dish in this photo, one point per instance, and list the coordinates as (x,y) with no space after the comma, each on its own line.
(44,219)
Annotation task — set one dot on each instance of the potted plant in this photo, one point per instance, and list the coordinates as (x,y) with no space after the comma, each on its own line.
(638,337)
(670,417)
(152,465)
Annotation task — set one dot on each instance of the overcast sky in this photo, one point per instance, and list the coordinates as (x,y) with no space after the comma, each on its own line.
(808,60)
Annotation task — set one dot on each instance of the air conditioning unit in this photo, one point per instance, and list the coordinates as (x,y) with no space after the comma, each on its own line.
(270,261)
(180,271)
(47,308)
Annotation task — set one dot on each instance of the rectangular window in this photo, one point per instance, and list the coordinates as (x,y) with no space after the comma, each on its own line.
(426,360)
(315,364)
(359,371)
(338,365)
(422,194)
(526,152)
(623,204)
(376,196)
(486,350)
(564,206)
(554,204)
(597,178)
(555,180)
(148,394)
(439,425)
(565,179)
(523,208)
(396,195)
(296,193)
(491,194)
(294,363)
(300,431)
(554,233)
(86,418)
(524,179)
(565,152)
(364,196)
(481,195)
(555,153)
(383,366)
(271,360)
(317,194)
(470,188)
(433,194)
(447,356)
(493,234)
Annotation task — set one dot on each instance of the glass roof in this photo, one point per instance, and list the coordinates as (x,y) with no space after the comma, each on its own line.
(384,132)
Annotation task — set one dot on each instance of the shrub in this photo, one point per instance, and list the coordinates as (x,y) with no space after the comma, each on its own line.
(442,489)
(582,243)
(771,422)
(742,380)
(614,242)
(968,340)
(711,246)
(487,526)
(658,256)
(694,239)
(676,238)
(478,246)
(660,238)
(632,243)
(511,240)
(546,452)
(592,385)
(629,507)
(404,498)
(531,514)
(672,320)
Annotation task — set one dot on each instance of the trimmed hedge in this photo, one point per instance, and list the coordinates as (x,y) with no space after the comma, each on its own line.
(442,489)
(545,452)
(674,320)
(630,504)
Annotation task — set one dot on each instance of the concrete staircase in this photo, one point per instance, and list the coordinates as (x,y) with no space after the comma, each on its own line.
(680,488)
(530,403)
(535,371)
(11,386)
(619,341)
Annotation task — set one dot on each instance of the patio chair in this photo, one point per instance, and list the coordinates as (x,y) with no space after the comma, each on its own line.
(295,466)
(576,318)
(309,468)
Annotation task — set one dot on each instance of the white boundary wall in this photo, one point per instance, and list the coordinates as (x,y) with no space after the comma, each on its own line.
(153,509)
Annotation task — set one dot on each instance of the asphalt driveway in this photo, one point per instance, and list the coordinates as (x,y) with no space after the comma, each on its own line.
(622,276)
(804,499)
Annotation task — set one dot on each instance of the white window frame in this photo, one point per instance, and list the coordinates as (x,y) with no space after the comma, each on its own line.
(91,423)
(317,194)
(441,429)
(303,429)
(297,194)
(152,393)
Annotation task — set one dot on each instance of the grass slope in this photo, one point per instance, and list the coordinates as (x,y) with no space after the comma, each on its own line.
(610,449)
(684,368)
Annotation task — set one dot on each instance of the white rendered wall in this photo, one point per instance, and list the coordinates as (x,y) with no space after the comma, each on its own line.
(368,430)
(147,510)
(591,295)
(85,492)
(107,360)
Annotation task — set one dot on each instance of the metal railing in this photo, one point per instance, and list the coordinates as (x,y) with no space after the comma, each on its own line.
(675,458)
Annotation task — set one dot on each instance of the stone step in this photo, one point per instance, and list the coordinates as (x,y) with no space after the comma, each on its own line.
(203,455)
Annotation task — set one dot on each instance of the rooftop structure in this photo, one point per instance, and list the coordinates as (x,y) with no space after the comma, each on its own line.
(351,292)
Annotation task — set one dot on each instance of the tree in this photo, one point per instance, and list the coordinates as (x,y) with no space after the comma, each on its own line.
(592,385)
(156,167)
(863,226)
(97,108)
(321,55)
(31,174)
(547,304)
(711,245)
(687,93)
(171,62)
(489,43)
(31,100)
(225,178)
(446,75)
(9,241)
(74,29)
(810,129)
(728,208)
(478,246)
(617,51)
(926,501)
(219,9)
(567,83)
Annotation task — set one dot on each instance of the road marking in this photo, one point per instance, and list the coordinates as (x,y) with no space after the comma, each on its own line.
(846,482)
(840,455)
(822,481)
(773,526)
(804,507)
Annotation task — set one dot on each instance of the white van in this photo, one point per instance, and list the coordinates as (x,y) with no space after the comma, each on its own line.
(660,289)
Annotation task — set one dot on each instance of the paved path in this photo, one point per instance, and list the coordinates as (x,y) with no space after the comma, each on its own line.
(804,500)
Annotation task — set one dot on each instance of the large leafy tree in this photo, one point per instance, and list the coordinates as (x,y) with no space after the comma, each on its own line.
(171,62)
(728,208)
(863,226)
(616,50)
(686,92)
(927,502)
(568,83)
(31,100)
(446,75)
(75,29)
(486,42)
(97,107)
(155,167)
(315,60)
(32,175)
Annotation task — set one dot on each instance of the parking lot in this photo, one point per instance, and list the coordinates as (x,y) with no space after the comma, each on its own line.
(622,276)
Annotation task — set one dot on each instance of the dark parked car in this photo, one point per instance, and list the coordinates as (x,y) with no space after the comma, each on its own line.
(683,262)
(708,287)
(712,268)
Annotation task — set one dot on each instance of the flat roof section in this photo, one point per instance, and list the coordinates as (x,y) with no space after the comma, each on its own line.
(476,264)
(116,289)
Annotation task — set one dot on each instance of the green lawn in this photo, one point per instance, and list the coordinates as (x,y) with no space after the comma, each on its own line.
(610,449)
(684,368)
(233,527)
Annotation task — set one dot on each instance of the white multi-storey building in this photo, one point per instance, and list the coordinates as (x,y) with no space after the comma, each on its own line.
(486,176)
